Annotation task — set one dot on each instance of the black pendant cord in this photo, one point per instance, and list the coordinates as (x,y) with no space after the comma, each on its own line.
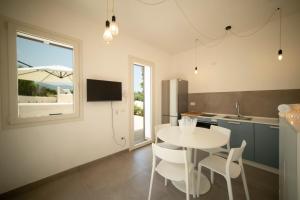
(196,55)
(113,7)
(107,9)
(113,18)
(280,27)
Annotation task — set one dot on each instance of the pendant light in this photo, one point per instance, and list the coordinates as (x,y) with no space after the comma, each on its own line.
(107,35)
(114,26)
(196,56)
(280,56)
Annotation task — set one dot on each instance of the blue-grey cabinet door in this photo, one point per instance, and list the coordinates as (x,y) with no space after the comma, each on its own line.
(240,131)
(267,144)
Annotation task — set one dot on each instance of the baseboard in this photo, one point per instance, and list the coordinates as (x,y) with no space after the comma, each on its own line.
(142,144)
(261,166)
(35,184)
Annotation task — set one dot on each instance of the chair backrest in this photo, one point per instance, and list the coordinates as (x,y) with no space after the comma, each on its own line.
(221,130)
(235,154)
(224,131)
(160,126)
(169,155)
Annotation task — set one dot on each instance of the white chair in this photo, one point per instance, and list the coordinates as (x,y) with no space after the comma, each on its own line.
(227,133)
(174,165)
(227,168)
(224,131)
(163,144)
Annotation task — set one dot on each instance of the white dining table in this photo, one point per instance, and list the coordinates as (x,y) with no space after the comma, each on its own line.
(199,138)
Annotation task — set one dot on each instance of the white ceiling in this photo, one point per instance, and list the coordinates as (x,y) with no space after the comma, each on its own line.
(165,27)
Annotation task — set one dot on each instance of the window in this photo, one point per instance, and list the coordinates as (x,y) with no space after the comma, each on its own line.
(43,71)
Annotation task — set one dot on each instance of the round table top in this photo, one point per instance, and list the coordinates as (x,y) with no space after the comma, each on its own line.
(201,138)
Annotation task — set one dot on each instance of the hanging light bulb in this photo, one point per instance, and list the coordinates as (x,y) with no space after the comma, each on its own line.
(114,29)
(196,70)
(107,35)
(280,54)
(114,26)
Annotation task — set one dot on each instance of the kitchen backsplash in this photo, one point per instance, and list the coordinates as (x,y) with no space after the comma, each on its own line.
(253,103)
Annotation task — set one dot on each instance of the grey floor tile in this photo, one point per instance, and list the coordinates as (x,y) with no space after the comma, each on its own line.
(126,176)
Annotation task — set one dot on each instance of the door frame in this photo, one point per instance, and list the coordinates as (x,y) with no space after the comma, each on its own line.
(135,60)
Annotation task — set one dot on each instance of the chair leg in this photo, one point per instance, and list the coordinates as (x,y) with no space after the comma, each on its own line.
(151,183)
(212,177)
(166,182)
(229,187)
(195,158)
(198,181)
(245,184)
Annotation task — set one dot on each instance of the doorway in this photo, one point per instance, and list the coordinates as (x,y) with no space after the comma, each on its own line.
(141,79)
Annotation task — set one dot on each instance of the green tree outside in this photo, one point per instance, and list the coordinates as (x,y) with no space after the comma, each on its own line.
(31,88)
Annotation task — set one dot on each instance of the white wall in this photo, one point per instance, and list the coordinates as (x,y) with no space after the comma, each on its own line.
(243,64)
(29,154)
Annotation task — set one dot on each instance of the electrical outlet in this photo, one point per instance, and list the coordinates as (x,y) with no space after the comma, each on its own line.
(122,138)
(192,103)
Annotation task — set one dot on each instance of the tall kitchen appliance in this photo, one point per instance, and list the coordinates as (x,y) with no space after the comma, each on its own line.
(174,100)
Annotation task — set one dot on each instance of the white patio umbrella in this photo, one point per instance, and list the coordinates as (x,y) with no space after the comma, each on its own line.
(47,74)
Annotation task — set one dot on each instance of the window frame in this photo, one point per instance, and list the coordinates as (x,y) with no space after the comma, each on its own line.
(10,96)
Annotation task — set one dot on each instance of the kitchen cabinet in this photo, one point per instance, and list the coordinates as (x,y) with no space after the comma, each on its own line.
(267,144)
(241,131)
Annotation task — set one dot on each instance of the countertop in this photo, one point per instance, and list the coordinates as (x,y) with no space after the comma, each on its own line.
(255,119)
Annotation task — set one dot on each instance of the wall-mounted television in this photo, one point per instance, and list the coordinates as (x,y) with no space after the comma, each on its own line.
(101,90)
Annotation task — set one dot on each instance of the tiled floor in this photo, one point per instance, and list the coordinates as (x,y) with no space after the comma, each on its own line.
(127,176)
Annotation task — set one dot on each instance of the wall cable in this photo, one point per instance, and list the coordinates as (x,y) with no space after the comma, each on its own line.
(113,127)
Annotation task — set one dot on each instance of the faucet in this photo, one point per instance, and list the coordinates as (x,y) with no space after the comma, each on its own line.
(237,107)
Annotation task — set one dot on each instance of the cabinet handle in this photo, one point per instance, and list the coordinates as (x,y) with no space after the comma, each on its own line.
(274,127)
(233,122)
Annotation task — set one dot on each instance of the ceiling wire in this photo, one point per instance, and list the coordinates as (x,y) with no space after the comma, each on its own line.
(280,26)
(196,52)
(192,24)
(257,29)
(153,3)
(212,39)
(216,42)
(107,10)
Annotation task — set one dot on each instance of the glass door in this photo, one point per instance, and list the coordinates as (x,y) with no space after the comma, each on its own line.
(142,104)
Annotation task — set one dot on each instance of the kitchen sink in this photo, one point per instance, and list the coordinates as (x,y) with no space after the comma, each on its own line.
(237,117)
(207,115)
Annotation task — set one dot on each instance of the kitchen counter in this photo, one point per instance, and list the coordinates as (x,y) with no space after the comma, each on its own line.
(255,119)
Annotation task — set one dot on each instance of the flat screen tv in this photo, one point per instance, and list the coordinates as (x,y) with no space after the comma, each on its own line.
(100,90)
